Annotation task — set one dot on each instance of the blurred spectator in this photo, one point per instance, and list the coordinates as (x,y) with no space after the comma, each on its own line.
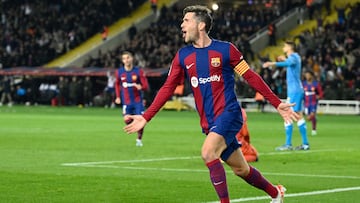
(75,91)
(6,87)
(63,91)
(88,95)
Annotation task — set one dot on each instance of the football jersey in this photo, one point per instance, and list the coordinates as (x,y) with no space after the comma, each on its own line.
(125,85)
(312,90)
(210,72)
(293,73)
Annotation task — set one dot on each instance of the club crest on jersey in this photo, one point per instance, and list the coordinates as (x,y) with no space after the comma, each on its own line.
(134,77)
(215,62)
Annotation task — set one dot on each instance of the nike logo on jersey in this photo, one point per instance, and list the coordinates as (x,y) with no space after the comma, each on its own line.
(218,183)
(189,66)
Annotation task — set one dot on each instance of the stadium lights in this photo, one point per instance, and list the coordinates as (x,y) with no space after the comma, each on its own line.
(215,6)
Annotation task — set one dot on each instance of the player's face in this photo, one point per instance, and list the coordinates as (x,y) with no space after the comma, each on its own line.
(127,60)
(308,76)
(189,28)
(286,48)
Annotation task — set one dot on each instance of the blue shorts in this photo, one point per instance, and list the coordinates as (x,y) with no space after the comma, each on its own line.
(310,109)
(133,109)
(298,99)
(228,124)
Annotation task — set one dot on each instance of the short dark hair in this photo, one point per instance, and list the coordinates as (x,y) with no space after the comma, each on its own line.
(291,44)
(202,13)
(310,71)
(126,53)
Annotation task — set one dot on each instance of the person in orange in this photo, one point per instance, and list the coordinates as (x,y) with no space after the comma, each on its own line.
(105,33)
(243,137)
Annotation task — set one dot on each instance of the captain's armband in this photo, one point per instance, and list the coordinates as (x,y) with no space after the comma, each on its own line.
(241,68)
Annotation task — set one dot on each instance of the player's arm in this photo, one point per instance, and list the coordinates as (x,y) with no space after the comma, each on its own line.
(143,81)
(117,88)
(284,64)
(319,91)
(255,81)
(163,95)
(166,91)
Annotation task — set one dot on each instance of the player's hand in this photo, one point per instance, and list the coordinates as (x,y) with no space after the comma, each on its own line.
(138,122)
(267,64)
(117,100)
(287,113)
(138,86)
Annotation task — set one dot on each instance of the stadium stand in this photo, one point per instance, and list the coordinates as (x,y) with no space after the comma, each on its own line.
(154,46)
(35,32)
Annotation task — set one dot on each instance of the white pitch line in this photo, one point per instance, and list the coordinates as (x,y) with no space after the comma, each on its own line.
(184,158)
(319,192)
(206,171)
(129,161)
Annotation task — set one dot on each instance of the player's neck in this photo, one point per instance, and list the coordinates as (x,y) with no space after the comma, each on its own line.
(128,68)
(202,42)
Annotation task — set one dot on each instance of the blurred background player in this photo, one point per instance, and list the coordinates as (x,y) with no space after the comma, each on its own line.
(295,94)
(313,92)
(243,136)
(129,86)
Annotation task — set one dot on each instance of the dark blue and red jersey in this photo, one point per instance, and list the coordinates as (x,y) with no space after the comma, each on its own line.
(313,91)
(125,85)
(210,72)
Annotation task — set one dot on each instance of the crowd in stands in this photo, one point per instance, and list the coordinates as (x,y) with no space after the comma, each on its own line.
(331,50)
(32,33)
(156,46)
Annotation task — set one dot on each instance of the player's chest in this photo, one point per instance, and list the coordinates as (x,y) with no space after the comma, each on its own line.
(129,77)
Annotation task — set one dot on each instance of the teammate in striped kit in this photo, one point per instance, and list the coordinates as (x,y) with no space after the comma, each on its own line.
(295,94)
(209,66)
(313,92)
(129,86)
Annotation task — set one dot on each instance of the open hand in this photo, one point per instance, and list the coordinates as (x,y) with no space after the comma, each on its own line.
(287,113)
(138,122)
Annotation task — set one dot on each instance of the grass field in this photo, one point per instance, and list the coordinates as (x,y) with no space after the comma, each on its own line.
(52,154)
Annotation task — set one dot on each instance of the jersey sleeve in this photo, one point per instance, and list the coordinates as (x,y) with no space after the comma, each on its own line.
(319,90)
(235,56)
(288,62)
(117,84)
(143,80)
(175,75)
(242,68)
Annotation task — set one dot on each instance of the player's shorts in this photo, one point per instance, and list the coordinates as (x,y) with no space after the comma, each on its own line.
(228,125)
(310,109)
(133,109)
(298,99)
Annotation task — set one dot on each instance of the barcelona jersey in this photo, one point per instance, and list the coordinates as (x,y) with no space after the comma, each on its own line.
(125,85)
(312,91)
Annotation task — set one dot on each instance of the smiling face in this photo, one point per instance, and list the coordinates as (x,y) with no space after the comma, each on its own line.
(190,28)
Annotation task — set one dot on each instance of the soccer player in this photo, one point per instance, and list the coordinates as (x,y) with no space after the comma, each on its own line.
(295,94)
(243,136)
(129,86)
(210,65)
(313,92)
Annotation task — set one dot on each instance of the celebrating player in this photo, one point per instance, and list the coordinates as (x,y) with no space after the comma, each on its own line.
(130,82)
(313,92)
(295,94)
(209,65)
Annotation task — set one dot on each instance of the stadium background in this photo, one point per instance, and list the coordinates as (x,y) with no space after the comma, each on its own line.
(42,40)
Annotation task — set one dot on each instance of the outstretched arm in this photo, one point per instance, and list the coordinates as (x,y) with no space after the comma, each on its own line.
(256,82)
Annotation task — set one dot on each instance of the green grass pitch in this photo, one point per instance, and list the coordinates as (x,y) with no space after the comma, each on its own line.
(63,154)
